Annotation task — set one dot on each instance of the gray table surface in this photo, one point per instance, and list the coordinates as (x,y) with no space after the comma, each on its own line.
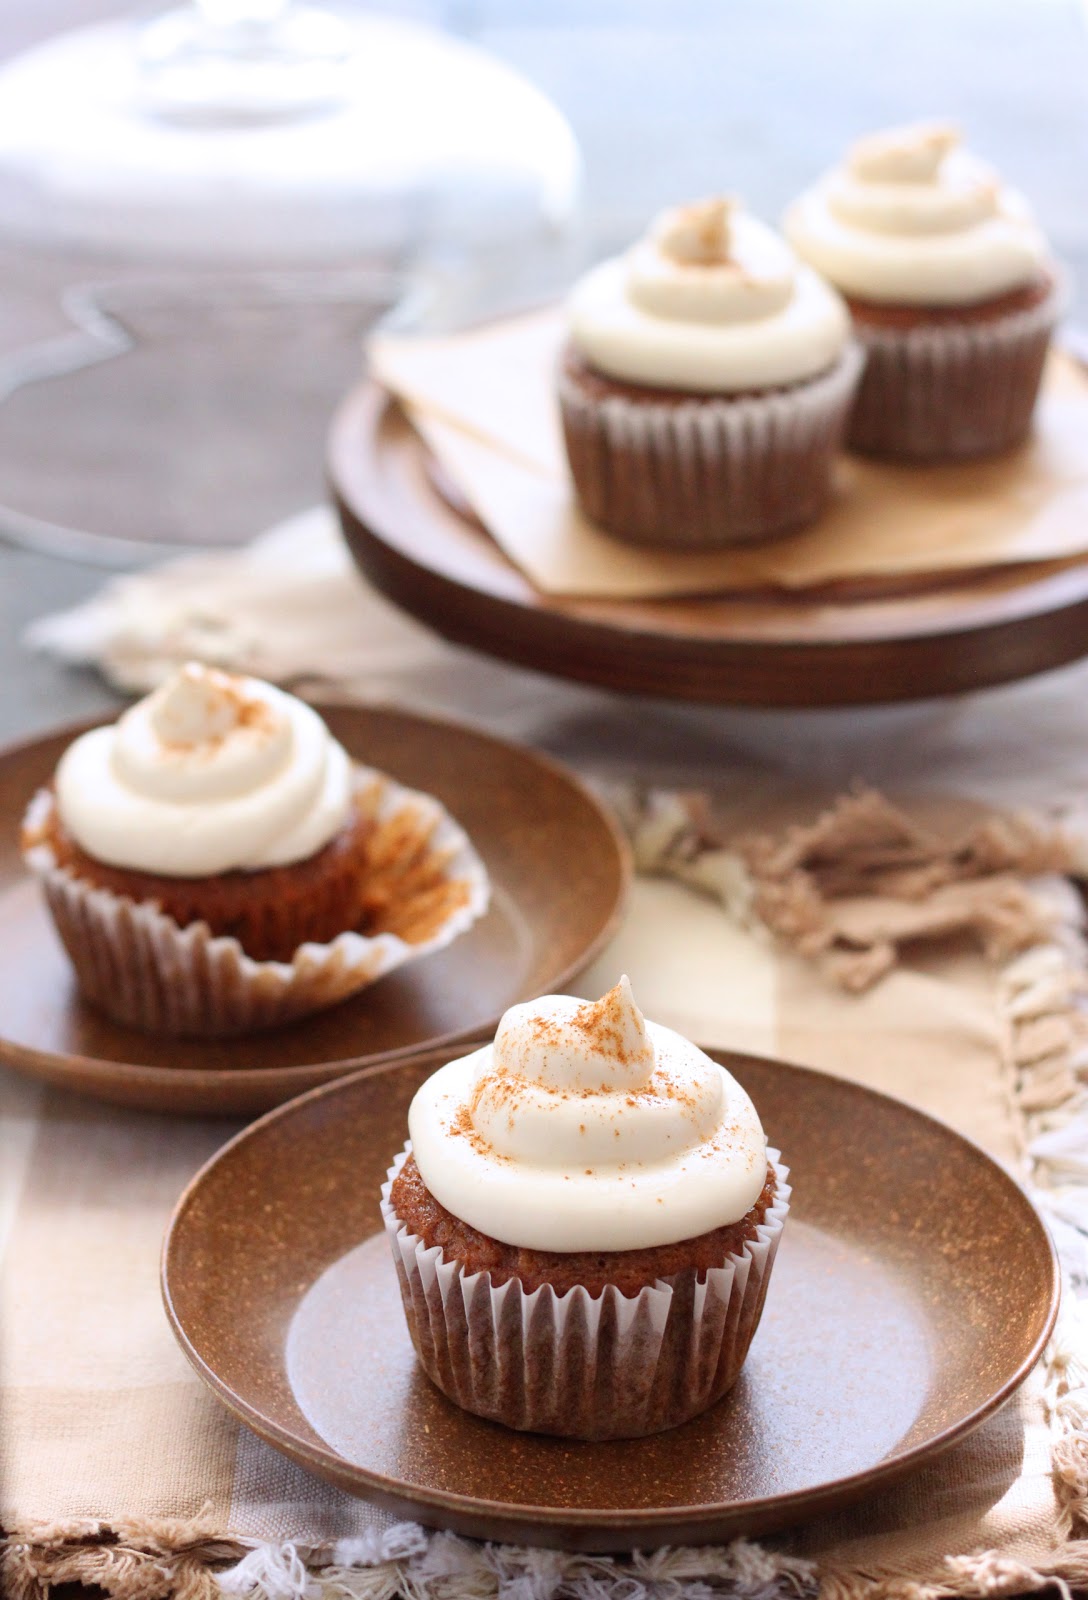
(670,100)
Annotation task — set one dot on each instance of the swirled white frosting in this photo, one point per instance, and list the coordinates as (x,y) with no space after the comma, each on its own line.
(208,774)
(911,218)
(585,1127)
(711,301)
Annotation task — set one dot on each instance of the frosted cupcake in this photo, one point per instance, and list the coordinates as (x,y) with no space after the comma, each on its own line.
(216,862)
(705,384)
(952,288)
(584,1223)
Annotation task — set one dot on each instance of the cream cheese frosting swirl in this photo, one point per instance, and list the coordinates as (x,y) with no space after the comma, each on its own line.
(711,301)
(911,218)
(585,1127)
(210,773)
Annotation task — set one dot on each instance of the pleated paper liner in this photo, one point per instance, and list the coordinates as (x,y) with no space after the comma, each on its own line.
(143,970)
(613,1366)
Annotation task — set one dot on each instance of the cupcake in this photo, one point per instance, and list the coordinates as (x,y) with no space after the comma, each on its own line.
(584,1223)
(705,384)
(216,862)
(951,286)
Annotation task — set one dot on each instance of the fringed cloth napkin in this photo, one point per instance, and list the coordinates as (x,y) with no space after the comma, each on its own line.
(931,949)
(866,880)
(843,940)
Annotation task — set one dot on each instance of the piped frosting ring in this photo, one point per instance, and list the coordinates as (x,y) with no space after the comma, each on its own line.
(585,1127)
(710,301)
(912,218)
(211,773)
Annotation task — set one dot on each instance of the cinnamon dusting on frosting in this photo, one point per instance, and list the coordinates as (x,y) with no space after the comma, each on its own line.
(576,1106)
(698,234)
(201,706)
(463,1126)
(613,1027)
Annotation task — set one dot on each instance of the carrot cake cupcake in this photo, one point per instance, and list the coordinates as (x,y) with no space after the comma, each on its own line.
(951,285)
(584,1222)
(215,861)
(705,384)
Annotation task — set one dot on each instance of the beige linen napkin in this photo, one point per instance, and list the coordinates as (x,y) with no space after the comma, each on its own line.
(483,402)
(117,1466)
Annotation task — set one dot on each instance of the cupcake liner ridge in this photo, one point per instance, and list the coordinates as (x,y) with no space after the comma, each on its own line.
(710,471)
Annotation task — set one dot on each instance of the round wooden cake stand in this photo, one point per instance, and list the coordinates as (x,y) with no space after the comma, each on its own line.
(848,645)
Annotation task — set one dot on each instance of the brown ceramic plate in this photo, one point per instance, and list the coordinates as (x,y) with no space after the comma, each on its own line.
(847,645)
(524,814)
(914,1290)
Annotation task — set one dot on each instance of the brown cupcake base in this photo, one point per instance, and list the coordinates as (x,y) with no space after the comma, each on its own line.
(951,384)
(581,1364)
(627,1270)
(270,911)
(683,471)
(422,885)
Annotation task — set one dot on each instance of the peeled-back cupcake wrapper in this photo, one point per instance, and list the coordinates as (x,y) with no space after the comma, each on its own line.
(611,1367)
(138,965)
(943,392)
(712,471)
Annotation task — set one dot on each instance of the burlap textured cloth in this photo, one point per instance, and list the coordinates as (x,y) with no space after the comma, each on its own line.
(931,950)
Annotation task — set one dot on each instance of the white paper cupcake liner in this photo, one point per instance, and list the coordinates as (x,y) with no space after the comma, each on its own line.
(611,1367)
(710,471)
(943,392)
(143,969)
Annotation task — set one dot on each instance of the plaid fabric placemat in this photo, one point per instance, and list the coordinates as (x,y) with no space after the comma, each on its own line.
(120,1469)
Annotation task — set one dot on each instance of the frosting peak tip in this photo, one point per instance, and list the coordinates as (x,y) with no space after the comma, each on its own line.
(698,234)
(911,154)
(199,703)
(584,1046)
(615,1026)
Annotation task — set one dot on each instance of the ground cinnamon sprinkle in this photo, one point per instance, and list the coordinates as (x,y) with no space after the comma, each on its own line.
(670,1089)
(249,712)
(546,1030)
(463,1126)
(601,1022)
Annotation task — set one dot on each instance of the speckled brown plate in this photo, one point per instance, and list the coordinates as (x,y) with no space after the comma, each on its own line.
(914,1290)
(524,814)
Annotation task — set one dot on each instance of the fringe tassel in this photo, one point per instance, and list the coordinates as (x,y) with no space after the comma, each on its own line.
(401,1563)
(132,1559)
(446,1566)
(1045,1002)
(987,1573)
(851,889)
